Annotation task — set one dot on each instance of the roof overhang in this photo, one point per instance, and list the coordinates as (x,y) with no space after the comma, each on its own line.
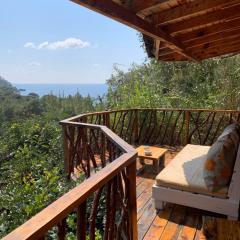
(178,30)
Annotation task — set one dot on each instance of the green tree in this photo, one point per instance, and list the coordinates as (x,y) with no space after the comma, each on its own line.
(210,84)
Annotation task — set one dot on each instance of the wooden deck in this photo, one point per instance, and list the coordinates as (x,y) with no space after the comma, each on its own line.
(175,221)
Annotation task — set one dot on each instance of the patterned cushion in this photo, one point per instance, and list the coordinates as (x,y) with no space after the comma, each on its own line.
(221,158)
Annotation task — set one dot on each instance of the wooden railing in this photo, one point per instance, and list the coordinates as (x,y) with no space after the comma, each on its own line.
(97,148)
(104,203)
(172,127)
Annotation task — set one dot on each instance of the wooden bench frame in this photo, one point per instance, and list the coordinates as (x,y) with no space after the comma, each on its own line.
(228,206)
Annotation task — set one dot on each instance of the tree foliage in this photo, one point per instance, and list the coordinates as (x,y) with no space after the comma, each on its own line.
(210,84)
(31,153)
(34,177)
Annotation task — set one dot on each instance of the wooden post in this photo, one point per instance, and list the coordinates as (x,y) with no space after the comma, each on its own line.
(230,118)
(41,238)
(102,139)
(85,139)
(132,198)
(187,126)
(81,221)
(107,119)
(66,152)
(62,229)
(83,119)
(136,127)
(103,147)
(106,147)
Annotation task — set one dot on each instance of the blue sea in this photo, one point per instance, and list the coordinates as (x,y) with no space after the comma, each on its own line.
(94,90)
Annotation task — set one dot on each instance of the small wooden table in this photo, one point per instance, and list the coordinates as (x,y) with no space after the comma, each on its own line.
(158,156)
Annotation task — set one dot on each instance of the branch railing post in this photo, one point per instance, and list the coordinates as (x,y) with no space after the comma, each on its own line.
(187,127)
(132,198)
(66,151)
(136,127)
(81,221)
(107,119)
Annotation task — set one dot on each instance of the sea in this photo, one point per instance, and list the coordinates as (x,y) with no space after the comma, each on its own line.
(63,90)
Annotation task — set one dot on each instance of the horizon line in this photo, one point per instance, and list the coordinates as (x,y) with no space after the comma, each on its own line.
(59,83)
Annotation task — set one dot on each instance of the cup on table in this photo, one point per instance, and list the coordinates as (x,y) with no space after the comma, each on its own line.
(147,151)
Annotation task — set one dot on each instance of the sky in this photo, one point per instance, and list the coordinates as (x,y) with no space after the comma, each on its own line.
(58,41)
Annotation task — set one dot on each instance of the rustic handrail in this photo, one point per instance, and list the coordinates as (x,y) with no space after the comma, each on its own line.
(74,118)
(113,137)
(118,178)
(98,146)
(50,216)
(158,126)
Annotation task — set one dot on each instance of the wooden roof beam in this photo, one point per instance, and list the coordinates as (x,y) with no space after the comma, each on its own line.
(220,51)
(157,47)
(213,38)
(208,39)
(172,57)
(224,54)
(201,21)
(190,8)
(220,42)
(207,47)
(120,14)
(208,31)
(138,5)
(221,38)
(214,51)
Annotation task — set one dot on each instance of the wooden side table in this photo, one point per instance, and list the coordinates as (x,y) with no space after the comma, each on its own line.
(158,156)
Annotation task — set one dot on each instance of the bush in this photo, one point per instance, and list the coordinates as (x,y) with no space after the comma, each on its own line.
(35,176)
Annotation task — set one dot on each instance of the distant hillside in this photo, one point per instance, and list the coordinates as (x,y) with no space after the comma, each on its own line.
(6,87)
(4,83)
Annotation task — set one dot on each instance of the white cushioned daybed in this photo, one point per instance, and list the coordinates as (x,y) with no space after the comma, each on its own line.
(182,182)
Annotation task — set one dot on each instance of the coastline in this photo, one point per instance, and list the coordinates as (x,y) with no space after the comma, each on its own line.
(63,90)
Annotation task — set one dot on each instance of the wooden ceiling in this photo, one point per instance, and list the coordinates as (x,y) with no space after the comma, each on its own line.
(178,30)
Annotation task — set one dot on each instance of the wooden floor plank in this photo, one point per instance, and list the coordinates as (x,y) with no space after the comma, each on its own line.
(174,224)
(146,219)
(228,229)
(144,194)
(190,225)
(200,236)
(159,223)
(139,179)
(143,209)
(199,233)
(220,228)
(142,201)
(145,185)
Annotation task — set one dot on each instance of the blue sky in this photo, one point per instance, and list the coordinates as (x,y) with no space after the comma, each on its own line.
(57,41)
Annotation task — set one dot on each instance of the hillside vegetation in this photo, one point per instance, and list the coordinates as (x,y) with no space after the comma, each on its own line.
(31,153)
(210,84)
